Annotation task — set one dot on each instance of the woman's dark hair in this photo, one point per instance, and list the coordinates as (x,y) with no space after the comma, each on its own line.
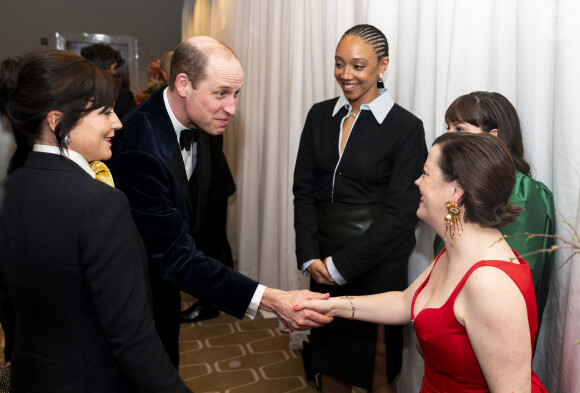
(483,167)
(52,79)
(490,110)
(372,36)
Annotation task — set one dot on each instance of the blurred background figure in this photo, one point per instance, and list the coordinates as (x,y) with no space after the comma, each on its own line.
(14,146)
(7,142)
(110,59)
(165,65)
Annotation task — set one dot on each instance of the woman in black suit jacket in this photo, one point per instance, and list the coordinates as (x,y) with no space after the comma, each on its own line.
(354,210)
(72,264)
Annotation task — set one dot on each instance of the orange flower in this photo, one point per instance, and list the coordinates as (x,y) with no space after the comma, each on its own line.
(155,80)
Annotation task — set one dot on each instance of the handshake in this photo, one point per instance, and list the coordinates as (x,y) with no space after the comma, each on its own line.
(297,310)
(303,310)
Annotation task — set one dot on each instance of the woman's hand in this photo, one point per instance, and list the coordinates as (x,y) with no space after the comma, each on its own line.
(319,272)
(320,306)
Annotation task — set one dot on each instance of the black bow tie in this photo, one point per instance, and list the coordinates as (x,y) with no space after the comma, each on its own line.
(186,138)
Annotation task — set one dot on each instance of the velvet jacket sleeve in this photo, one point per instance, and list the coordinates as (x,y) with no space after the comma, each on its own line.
(161,214)
(379,165)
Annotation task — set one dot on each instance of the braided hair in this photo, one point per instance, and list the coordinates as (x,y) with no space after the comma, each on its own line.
(372,36)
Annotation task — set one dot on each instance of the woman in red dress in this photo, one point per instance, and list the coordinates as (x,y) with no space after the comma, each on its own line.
(473,308)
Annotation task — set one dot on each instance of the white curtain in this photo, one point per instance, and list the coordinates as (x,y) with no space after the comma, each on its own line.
(529,50)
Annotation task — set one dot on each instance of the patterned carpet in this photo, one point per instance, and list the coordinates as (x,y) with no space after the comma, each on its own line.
(227,355)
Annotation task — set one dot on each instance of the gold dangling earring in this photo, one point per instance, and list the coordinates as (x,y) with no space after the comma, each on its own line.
(452,220)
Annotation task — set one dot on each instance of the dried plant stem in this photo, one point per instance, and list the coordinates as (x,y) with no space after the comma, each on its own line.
(566,243)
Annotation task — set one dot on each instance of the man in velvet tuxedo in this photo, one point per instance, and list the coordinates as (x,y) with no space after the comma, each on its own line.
(161,162)
(212,240)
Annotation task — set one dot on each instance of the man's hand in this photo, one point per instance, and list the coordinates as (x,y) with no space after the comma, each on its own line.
(281,303)
(319,272)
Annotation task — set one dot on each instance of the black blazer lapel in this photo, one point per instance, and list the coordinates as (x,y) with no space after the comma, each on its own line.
(40,160)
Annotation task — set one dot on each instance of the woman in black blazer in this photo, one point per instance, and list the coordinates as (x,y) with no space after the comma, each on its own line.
(354,210)
(72,264)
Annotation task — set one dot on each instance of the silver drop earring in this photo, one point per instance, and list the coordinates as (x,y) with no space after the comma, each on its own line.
(66,140)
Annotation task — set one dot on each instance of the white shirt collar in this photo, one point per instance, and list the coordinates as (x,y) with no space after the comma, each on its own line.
(380,106)
(70,154)
(177,126)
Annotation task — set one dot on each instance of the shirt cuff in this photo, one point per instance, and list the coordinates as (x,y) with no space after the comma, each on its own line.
(255,303)
(336,276)
(305,266)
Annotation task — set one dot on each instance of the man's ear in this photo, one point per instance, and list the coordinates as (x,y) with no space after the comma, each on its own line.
(53,118)
(165,76)
(182,84)
(494,132)
(113,68)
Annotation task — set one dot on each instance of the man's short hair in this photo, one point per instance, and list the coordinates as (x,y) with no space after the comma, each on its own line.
(191,59)
(102,55)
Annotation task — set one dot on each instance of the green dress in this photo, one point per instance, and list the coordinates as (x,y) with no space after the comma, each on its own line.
(537,217)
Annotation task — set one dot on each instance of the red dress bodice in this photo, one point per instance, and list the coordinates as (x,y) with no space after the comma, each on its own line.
(450,363)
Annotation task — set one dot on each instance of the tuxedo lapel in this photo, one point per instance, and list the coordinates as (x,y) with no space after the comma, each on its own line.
(169,146)
(167,141)
(204,172)
(175,164)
